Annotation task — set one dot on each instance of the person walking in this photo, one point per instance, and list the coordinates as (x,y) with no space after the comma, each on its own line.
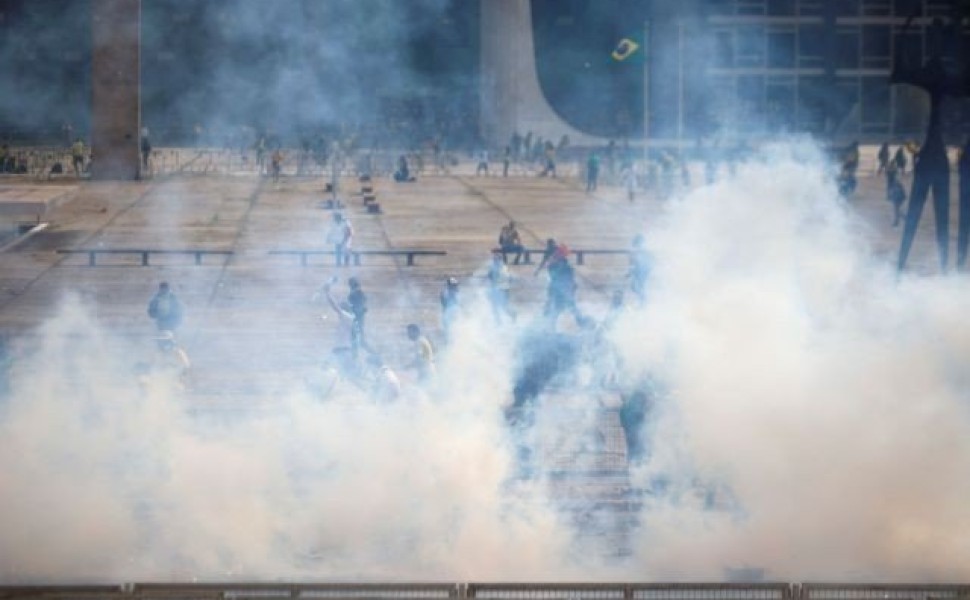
(165,308)
(639,270)
(499,288)
(450,305)
(423,359)
(883,159)
(341,237)
(146,150)
(77,156)
(592,171)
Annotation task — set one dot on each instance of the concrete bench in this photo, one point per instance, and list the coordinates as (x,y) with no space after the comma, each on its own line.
(355,255)
(144,252)
(579,253)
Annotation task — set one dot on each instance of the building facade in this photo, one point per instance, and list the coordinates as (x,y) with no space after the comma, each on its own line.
(822,67)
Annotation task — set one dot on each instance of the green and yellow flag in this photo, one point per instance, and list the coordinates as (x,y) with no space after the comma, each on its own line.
(625,48)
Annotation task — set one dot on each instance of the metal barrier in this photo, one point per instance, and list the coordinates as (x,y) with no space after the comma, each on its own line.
(631,591)
(144,252)
(330,591)
(489,591)
(865,591)
(713,591)
(61,592)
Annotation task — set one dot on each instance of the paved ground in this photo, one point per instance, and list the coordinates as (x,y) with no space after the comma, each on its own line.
(237,308)
(251,327)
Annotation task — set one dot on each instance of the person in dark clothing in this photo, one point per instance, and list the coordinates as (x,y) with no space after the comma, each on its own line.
(895,193)
(510,241)
(449,306)
(561,293)
(900,160)
(549,154)
(592,171)
(146,149)
(850,165)
(165,308)
(552,249)
(403,173)
(357,301)
(883,158)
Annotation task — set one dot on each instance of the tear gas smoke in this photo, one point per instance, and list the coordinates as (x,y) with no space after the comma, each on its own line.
(817,418)
(814,424)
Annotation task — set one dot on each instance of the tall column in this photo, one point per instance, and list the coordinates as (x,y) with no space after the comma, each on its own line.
(511,97)
(116,93)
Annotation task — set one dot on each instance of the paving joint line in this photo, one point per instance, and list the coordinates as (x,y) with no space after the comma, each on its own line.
(141,197)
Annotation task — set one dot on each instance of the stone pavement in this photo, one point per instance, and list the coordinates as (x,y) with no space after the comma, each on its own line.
(236,308)
(252,330)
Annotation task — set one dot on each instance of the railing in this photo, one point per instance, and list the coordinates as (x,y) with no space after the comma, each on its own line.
(356,254)
(488,591)
(840,591)
(631,591)
(145,253)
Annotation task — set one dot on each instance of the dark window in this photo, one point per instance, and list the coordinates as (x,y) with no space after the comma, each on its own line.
(781,49)
(909,48)
(847,8)
(751,46)
(721,7)
(751,7)
(751,98)
(781,8)
(810,8)
(939,8)
(780,103)
(847,48)
(876,8)
(904,8)
(875,113)
(811,45)
(723,49)
(875,41)
(812,93)
(847,91)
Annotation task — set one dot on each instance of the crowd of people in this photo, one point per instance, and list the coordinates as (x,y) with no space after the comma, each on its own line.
(357,360)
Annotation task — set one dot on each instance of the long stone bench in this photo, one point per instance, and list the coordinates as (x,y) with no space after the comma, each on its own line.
(356,255)
(144,252)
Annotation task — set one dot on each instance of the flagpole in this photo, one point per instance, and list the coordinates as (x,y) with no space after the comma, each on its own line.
(646,89)
(680,83)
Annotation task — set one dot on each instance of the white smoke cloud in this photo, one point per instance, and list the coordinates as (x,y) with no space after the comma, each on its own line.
(814,425)
(821,399)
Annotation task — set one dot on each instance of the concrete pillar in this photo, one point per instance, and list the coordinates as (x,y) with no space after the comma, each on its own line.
(116,88)
(511,97)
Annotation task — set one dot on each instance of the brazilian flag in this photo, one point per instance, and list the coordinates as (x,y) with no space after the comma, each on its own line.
(626,48)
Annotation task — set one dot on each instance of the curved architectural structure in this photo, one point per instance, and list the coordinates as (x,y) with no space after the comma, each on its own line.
(511,98)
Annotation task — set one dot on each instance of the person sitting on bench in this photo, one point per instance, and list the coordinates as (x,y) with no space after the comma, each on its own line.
(510,241)
(403,173)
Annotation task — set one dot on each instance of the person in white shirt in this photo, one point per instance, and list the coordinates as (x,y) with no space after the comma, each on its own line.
(341,236)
